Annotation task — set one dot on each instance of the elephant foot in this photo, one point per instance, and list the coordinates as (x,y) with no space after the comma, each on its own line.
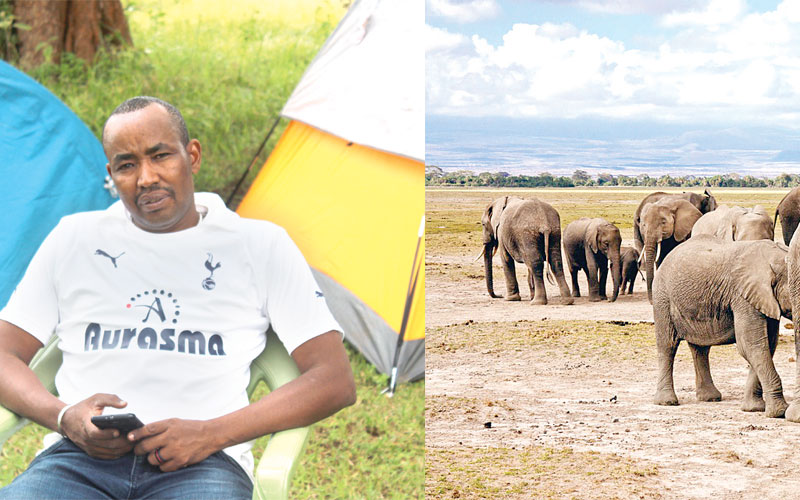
(793,412)
(576,294)
(513,297)
(539,301)
(753,403)
(709,394)
(777,409)
(566,301)
(666,398)
(595,298)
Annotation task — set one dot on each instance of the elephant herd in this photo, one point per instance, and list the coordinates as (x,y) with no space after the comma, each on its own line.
(721,278)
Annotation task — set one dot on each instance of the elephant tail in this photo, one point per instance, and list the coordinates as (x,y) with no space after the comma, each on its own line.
(549,264)
(775,220)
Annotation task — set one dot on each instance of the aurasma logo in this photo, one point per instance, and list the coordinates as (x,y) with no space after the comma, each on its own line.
(187,341)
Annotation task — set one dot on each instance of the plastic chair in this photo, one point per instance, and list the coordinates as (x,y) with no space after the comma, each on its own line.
(273,366)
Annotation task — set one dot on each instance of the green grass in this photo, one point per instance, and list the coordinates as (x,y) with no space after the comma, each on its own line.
(373,449)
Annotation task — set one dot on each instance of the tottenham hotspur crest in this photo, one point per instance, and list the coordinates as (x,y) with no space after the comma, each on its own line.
(209,282)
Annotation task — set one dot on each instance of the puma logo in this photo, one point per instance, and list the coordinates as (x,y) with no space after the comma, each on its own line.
(112,259)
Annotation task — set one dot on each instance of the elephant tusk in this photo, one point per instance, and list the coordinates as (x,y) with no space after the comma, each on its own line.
(480,254)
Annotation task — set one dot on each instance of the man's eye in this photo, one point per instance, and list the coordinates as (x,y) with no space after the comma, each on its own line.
(161,156)
(124,166)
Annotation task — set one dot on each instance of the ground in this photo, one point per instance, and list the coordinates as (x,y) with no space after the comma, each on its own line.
(526,401)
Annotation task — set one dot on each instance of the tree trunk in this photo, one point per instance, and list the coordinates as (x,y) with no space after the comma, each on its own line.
(77,26)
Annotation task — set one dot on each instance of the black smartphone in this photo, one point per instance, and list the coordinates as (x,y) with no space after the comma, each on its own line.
(124,422)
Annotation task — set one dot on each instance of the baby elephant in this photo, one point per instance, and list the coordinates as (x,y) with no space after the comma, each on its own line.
(630,267)
(712,292)
(593,245)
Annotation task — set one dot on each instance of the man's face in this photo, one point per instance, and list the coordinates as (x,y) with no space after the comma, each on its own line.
(152,170)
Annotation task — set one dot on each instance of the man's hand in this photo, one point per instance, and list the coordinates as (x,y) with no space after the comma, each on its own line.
(98,443)
(179,443)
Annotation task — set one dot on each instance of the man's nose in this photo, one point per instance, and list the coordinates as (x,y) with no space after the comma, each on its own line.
(148,175)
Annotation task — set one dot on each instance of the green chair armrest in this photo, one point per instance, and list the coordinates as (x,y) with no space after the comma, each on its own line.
(45,365)
(274,471)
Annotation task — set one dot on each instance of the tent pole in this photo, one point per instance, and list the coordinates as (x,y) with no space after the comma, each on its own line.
(253,161)
(412,286)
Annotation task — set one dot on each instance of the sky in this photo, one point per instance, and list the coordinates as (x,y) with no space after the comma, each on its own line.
(688,86)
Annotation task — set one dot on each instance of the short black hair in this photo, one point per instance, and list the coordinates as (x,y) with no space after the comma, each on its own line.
(141,102)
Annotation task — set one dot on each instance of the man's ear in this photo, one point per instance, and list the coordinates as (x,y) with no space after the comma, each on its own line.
(195,154)
(108,168)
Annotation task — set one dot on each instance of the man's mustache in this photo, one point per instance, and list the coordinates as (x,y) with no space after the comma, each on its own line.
(148,190)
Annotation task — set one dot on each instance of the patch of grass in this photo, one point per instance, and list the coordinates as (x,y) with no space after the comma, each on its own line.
(373,449)
(535,472)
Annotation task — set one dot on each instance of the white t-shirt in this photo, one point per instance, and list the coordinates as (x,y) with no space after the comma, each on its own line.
(169,322)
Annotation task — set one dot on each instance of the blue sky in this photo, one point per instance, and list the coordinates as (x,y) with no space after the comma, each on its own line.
(697,68)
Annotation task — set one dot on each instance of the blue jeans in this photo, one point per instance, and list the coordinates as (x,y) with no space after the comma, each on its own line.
(65,471)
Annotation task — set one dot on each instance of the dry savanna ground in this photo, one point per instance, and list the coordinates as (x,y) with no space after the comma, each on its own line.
(526,401)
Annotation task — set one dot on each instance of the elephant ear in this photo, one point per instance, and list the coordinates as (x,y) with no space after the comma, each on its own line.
(591,237)
(756,272)
(685,217)
(497,214)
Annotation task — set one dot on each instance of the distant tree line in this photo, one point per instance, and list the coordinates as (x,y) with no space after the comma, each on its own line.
(435,176)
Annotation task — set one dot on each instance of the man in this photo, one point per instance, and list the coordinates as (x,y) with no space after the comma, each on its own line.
(160,303)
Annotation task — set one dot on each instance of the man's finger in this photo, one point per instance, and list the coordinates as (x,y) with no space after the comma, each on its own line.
(146,431)
(103,400)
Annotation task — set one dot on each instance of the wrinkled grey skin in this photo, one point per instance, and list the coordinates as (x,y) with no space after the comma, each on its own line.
(789,211)
(704,202)
(712,292)
(524,231)
(664,224)
(593,245)
(793,270)
(736,224)
(630,267)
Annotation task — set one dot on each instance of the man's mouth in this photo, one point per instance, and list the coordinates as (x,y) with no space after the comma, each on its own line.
(153,200)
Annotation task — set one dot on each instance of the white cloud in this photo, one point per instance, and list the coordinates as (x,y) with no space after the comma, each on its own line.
(657,7)
(738,67)
(464,11)
(716,13)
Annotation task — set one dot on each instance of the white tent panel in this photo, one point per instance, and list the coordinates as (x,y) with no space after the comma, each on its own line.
(367,84)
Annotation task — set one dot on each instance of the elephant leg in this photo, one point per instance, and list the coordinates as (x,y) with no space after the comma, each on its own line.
(554,260)
(540,294)
(591,276)
(576,289)
(753,393)
(705,389)
(666,345)
(630,289)
(530,282)
(756,340)
(512,288)
(602,265)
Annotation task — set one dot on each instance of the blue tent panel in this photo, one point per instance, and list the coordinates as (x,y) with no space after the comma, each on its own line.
(51,165)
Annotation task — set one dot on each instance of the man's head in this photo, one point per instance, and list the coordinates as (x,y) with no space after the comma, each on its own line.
(151,161)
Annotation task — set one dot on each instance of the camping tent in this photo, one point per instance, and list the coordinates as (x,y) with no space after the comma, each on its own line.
(346,180)
(52,165)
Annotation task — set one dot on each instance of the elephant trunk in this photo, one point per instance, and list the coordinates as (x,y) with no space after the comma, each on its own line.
(488,251)
(616,272)
(649,265)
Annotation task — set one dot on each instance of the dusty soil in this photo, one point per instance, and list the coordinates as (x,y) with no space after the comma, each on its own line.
(571,412)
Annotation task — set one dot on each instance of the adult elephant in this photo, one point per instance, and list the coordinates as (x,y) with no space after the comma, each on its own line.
(714,292)
(704,202)
(789,212)
(793,271)
(528,232)
(736,224)
(593,245)
(664,224)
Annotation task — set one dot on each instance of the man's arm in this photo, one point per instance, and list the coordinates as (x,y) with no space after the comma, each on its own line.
(324,387)
(23,393)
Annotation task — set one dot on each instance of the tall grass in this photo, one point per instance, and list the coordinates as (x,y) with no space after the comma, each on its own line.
(229,67)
